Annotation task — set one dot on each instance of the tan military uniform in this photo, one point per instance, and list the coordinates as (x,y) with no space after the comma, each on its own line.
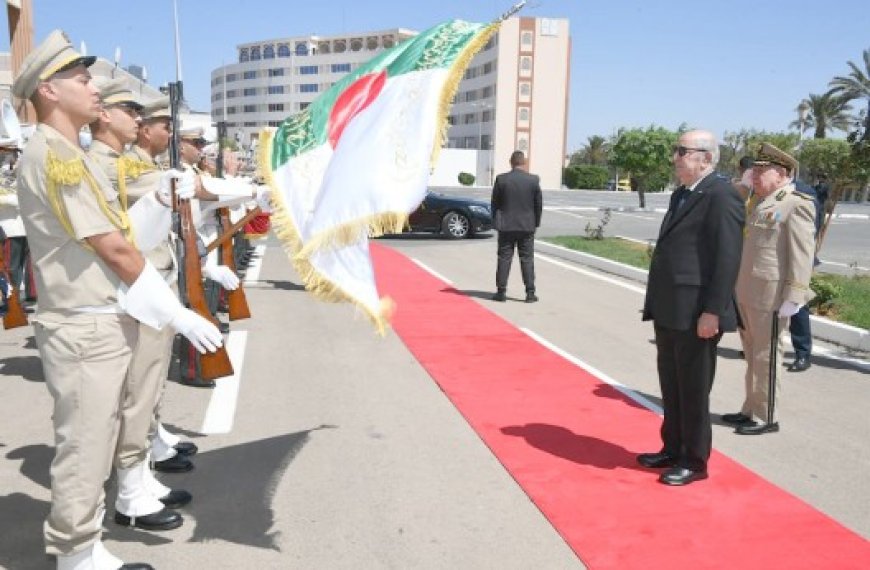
(135,175)
(776,266)
(84,341)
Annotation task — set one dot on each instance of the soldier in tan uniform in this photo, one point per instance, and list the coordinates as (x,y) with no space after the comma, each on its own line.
(773,282)
(94,286)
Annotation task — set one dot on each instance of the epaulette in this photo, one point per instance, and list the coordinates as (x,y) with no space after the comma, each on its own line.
(803,195)
(64,171)
(133,167)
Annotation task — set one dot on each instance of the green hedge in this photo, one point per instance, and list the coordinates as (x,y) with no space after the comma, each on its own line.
(466,179)
(586,176)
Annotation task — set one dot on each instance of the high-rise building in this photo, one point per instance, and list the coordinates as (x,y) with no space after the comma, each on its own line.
(514,94)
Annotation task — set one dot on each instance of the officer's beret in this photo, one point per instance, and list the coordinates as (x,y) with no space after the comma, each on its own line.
(156,109)
(769,154)
(116,92)
(53,55)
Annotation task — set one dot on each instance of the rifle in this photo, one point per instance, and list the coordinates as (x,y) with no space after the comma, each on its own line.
(237,301)
(15,315)
(212,364)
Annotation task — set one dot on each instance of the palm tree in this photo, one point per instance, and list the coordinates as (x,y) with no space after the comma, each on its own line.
(856,85)
(825,112)
(596,150)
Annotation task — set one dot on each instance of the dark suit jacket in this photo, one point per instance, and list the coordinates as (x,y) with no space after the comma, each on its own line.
(696,259)
(516,201)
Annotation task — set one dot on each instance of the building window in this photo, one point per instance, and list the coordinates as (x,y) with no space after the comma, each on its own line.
(308,87)
(276,72)
(276,107)
(243,55)
(525,89)
(486,92)
(255,53)
(231,77)
(468,119)
(283,50)
(549,27)
(486,116)
(487,67)
(523,114)
(249,124)
(356,44)
(301,48)
(340,68)
(523,143)
(250,109)
(269,52)
(471,95)
(249,91)
(526,63)
(371,43)
(276,89)
(323,48)
(388,42)
(275,123)
(303,106)
(231,110)
(217,97)
(339,46)
(485,141)
(308,70)
(527,38)
(250,75)
(470,142)
(232,93)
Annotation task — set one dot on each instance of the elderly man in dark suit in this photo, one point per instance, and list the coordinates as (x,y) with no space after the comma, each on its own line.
(690,299)
(516,211)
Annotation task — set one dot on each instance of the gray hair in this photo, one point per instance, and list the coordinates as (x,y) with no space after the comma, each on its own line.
(707,141)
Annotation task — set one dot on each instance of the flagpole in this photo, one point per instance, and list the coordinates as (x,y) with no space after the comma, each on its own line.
(516,8)
(177,43)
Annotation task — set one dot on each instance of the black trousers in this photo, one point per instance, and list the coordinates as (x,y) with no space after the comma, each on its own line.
(686,365)
(801,336)
(524,242)
(16,252)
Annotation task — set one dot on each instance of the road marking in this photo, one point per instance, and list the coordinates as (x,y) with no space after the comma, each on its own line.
(827,353)
(573,208)
(648,218)
(591,274)
(252,273)
(571,214)
(222,406)
(850,266)
(431,271)
(594,371)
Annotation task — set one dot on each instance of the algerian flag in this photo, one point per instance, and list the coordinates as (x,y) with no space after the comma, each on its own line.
(355,163)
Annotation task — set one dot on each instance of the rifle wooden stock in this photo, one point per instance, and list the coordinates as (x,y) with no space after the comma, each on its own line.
(15,316)
(212,364)
(229,233)
(237,301)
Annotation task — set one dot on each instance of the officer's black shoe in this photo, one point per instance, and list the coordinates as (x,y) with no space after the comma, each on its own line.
(137,566)
(176,464)
(757,429)
(531,297)
(186,448)
(677,476)
(176,498)
(223,327)
(163,519)
(656,460)
(499,296)
(738,419)
(800,364)
(197,383)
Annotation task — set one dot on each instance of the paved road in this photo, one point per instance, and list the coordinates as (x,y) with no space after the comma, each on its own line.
(569,211)
(339,451)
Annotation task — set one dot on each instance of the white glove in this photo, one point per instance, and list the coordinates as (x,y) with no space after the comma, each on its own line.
(223,275)
(150,301)
(788,308)
(263,197)
(202,334)
(185,186)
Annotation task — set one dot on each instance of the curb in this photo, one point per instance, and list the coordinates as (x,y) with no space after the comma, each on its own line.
(847,336)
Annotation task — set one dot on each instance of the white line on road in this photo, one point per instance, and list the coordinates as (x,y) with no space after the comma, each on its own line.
(573,208)
(648,218)
(594,371)
(431,271)
(862,364)
(222,406)
(838,264)
(573,215)
(590,274)
(252,273)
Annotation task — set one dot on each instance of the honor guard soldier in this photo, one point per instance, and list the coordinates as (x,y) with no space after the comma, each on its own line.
(773,282)
(140,182)
(95,288)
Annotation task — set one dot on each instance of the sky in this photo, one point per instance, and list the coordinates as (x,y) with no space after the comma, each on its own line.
(720,65)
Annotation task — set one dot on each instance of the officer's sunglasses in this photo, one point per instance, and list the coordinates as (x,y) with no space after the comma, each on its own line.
(684,150)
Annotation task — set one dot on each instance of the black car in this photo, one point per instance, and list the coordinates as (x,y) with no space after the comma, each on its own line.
(454,217)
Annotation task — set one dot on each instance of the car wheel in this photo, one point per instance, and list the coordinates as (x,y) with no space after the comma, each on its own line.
(455,225)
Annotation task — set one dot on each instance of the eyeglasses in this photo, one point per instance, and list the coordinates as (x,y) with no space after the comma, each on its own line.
(684,150)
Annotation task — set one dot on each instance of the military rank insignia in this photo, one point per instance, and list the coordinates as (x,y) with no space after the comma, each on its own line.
(780,195)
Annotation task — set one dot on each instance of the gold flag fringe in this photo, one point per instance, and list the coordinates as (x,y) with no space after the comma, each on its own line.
(349,233)
(286,231)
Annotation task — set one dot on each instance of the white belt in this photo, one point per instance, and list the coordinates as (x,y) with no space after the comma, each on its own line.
(100,310)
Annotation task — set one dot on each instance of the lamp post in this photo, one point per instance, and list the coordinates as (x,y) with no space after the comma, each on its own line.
(803,110)
(482,105)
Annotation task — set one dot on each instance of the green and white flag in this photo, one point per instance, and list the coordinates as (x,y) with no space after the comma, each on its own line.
(355,163)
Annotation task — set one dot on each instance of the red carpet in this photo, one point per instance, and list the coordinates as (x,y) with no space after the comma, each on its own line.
(570,441)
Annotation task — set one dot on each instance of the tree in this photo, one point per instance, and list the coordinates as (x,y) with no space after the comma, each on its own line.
(783,141)
(855,86)
(826,158)
(646,153)
(594,152)
(586,176)
(826,112)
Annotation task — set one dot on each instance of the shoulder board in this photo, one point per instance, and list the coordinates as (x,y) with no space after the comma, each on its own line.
(64,171)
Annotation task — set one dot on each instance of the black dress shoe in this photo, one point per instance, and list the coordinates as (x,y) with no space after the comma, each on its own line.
(738,419)
(531,298)
(656,460)
(198,383)
(176,464)
(161,520)
(137,566)
(223,327)
(757,429)
(677,476)
(800,364)
(186,448)
(176,498)
(500,297)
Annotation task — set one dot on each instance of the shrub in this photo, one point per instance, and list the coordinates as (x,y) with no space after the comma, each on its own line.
(586,176)
(597,232)
(466,179)
(826,293)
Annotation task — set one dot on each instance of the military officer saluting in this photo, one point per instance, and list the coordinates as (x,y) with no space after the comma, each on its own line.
(95,288)
(773,282)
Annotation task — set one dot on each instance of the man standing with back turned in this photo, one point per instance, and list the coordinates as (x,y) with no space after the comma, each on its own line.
(690,299)
(516,211)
